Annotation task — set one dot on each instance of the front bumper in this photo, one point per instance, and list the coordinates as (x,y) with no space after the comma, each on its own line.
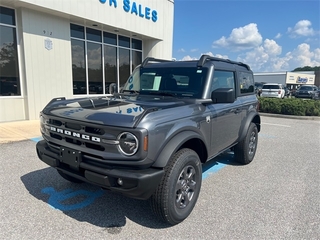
(303,95)
(270,96)
(136,183)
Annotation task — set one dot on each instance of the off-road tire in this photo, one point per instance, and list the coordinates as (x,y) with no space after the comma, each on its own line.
(245,150)
(178,191)
(69,178)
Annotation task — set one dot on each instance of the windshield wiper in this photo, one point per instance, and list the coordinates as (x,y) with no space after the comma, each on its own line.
(161,93)
(125,92)
(130,91)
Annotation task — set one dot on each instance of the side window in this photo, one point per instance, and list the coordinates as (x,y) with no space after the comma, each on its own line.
(222,79)
(246,82)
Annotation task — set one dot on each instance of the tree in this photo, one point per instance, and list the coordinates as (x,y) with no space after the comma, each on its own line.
(307,69)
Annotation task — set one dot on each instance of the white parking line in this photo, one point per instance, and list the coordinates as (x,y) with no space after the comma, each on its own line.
(280,125)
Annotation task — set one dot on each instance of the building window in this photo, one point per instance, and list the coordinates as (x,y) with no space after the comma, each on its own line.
(110,66)
(124,65)
(95,77)
(100,59)
(9,68)
(136,58)
(78,67)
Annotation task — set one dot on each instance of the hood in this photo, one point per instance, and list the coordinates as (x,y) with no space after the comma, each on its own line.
(121,112)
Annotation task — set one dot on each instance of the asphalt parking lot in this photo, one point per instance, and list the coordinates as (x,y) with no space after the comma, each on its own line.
(274,197)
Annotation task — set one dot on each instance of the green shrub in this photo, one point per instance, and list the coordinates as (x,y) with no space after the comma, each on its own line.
(290,106)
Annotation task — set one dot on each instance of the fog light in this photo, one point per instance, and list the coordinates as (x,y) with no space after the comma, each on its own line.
(120,182)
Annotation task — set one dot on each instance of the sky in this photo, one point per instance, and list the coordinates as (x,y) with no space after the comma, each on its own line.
(269,35)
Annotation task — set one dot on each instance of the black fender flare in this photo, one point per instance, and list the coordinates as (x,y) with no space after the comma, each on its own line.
(172,146)
(252,117)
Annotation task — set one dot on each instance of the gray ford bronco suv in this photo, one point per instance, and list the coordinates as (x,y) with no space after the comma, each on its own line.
(149,140)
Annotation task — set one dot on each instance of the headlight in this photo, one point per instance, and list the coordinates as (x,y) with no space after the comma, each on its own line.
(128,143)
(42,122)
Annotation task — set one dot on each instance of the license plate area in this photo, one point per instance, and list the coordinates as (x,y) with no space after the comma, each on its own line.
(70,156)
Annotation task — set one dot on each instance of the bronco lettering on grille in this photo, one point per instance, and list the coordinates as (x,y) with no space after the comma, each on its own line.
(75,134)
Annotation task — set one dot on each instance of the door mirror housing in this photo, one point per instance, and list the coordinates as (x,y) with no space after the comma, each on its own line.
(112,88)
(223,95)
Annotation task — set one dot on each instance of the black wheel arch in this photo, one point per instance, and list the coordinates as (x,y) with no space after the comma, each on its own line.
(253,117)
(185,139)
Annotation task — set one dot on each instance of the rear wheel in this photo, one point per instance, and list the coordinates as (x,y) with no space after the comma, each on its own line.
(178,191)
(69,178)
(245,150)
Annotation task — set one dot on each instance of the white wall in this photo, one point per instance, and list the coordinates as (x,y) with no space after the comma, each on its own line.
(12,109)
(95,11)
(46,74)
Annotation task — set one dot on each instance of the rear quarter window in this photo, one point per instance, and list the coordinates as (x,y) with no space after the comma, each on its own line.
(271,87)
(246,82)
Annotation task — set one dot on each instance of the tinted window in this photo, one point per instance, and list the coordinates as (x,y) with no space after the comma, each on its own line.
(95,65)
(7,16)
(9,68)
(77,31)
(124,65)
(186,82)
(93,35)
(308,88)
(124,41)
(110,68)
(246,82)
(222,79)
(110,38)
(78,67)
(136,58)
(94,52)
(137,44)
(271,87)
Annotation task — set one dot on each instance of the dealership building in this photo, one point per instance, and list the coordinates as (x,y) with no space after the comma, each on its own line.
(75,48)
(290,79)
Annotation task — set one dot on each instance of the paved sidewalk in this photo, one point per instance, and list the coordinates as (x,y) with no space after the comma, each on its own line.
(20,130)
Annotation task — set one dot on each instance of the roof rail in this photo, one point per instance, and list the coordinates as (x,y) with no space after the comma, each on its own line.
(204,58)
(151,59)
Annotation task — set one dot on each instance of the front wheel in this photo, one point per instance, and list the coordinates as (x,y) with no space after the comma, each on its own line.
(245,150)
(178,191)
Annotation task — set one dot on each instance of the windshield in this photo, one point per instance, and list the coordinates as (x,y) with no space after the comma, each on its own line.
(309,88)
(180,82)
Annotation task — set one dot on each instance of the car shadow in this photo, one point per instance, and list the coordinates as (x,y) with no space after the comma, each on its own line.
(88,203)
(225,158)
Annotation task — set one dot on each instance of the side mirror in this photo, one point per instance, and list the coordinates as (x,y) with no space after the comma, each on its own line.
(223,95)
(112,88)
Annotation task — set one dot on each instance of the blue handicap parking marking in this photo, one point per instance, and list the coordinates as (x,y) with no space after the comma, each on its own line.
(36,139)
(206,173)
(262,135)
(56,198)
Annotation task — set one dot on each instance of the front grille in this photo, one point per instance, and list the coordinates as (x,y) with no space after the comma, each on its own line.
(76,133)
(93,130)
(73,126)
(55,122)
